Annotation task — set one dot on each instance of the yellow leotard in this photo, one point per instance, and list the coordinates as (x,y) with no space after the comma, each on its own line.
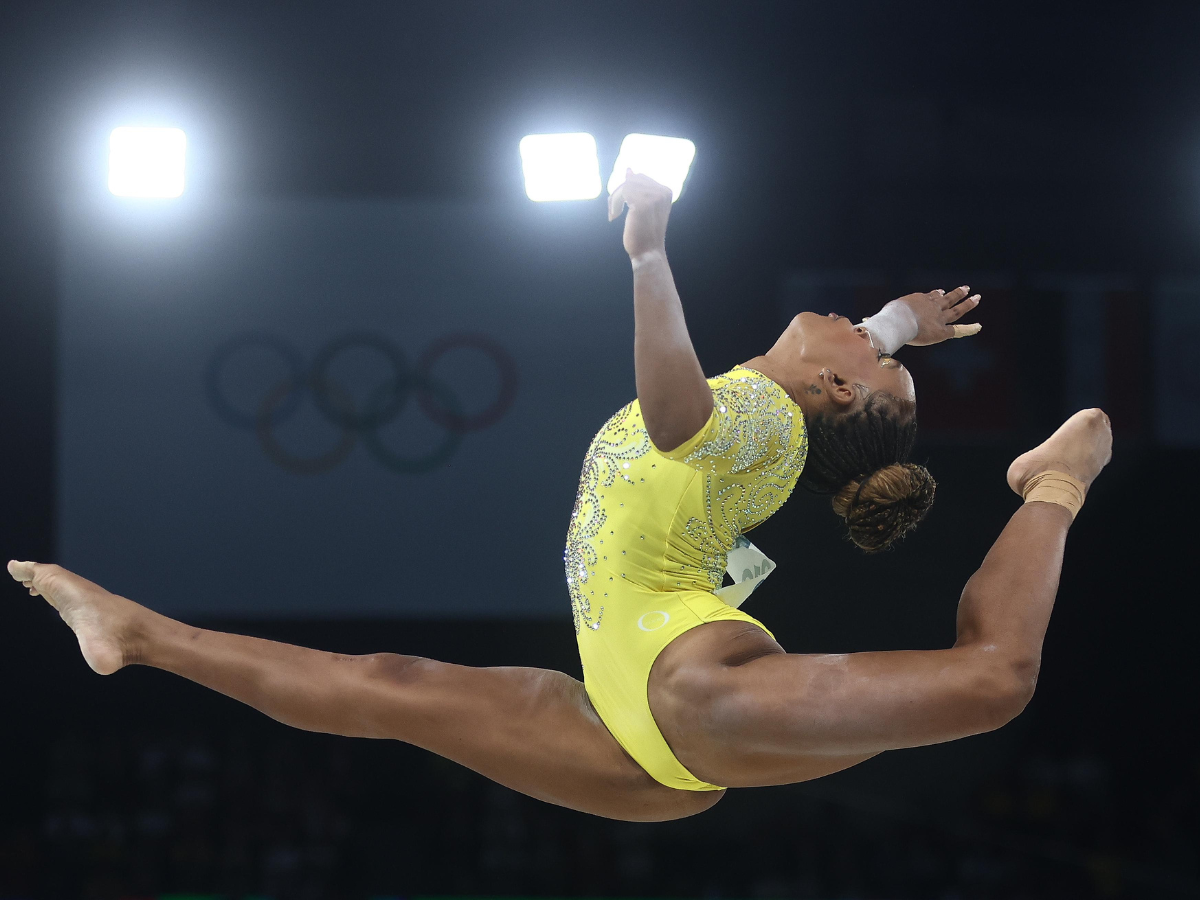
(648,540)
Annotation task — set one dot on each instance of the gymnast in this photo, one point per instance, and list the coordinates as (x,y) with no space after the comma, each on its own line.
(684,695)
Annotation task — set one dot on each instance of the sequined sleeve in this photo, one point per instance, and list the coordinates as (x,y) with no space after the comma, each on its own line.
(751,427)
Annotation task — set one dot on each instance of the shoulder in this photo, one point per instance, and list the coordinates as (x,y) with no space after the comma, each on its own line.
(751,402)
(750,391)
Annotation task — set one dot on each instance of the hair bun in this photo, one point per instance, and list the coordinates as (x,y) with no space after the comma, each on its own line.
(885,505)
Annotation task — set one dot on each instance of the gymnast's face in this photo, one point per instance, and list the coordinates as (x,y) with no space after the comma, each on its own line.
(837,363)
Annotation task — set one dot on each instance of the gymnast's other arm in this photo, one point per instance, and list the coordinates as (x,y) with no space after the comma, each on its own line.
(919,320)
(674,395)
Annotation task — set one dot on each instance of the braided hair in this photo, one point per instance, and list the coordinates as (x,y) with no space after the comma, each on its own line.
(861,457)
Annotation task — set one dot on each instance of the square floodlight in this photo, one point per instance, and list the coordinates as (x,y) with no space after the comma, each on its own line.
(560,166)
(146,162)
(665,159)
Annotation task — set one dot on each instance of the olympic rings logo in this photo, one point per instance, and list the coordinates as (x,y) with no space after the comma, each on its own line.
(385,401)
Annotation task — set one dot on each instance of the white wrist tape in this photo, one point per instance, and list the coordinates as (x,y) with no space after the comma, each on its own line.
(892,327)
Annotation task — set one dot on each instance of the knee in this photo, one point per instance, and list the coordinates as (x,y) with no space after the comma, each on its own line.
(1024,683)
(381,675)
(392,667)
(395,677)
(373,691)
(1007,689)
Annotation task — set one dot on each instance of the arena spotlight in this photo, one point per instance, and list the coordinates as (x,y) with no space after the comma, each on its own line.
(560,166)
(146,162)
(665,159)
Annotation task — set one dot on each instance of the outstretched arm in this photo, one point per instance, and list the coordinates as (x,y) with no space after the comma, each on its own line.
(675,397)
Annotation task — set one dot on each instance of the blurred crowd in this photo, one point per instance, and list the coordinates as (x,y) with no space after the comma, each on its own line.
(283,815)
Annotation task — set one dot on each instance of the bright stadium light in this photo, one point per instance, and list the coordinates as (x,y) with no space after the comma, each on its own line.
(146,162)
(665,159)
(560,166)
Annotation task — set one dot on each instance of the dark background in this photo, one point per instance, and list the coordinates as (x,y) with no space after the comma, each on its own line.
(954,138)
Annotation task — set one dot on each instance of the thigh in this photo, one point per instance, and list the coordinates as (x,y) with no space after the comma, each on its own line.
(532,730)
(738,710)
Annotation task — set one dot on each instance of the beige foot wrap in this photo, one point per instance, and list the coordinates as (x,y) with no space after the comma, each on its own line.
(1056,487)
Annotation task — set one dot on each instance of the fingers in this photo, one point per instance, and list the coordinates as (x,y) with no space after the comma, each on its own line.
(961,331)
(635,189)
(616,202)
(948,300)
(957,312)
(956,305)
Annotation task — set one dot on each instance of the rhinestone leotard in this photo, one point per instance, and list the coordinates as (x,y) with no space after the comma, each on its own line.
(648,538)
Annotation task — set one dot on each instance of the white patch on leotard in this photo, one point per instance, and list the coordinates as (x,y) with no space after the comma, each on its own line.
(748,567)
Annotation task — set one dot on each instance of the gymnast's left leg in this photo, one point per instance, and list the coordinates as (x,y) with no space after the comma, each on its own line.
(532,730)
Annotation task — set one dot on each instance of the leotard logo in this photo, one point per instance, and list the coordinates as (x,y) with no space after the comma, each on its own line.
(652,621)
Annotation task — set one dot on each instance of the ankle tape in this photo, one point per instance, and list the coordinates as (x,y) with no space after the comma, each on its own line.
(1056,487)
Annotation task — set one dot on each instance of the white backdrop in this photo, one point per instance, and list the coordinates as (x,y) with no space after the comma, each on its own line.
(178,471)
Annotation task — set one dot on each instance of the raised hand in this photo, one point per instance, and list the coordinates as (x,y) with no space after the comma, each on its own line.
(937,311)
(649,208)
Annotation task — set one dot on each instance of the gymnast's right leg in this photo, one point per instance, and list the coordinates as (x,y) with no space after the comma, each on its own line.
(532,730)
(739,711)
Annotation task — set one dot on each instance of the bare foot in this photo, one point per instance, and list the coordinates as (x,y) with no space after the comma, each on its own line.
(102,622)
(1081,447)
